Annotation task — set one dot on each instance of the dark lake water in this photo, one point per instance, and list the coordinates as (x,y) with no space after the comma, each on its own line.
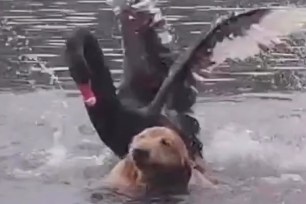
(254,137)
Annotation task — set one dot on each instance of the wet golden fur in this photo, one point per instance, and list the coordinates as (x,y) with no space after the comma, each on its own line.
(167,166)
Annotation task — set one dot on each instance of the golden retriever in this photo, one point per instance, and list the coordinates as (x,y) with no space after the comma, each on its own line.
(158,160)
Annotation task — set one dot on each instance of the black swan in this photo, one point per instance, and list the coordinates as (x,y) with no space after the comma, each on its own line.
(117,123)
(146,64)
(148,59)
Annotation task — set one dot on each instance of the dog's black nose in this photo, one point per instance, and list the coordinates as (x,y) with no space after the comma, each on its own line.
(140,154)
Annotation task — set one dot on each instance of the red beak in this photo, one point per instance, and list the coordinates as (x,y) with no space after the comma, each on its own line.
(88,96)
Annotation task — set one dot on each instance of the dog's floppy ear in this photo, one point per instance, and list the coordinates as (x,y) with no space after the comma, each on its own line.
(187,168)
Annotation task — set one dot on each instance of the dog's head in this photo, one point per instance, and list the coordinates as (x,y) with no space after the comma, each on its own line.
(161,156)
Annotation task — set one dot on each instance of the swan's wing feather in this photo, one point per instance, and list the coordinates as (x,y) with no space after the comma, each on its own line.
(237,37)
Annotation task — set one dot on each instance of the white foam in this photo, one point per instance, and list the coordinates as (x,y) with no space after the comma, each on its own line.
(233,144)
(57,155)
(60,167)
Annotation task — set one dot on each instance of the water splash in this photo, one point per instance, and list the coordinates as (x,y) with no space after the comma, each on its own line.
(57,159)
(240,147)
(57,119)
(58,151)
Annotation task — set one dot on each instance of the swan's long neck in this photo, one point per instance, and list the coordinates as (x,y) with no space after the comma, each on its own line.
(101,81)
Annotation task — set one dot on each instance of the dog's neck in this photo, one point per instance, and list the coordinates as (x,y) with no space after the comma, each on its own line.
(167,180)
(158,179)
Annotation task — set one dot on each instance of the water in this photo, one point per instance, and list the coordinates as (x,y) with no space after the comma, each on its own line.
(253,132)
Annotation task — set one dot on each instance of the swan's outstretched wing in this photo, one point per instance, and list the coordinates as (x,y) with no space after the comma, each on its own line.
(237,37)
(148,55)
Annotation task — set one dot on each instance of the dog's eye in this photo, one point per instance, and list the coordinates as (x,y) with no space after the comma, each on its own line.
(165,142)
